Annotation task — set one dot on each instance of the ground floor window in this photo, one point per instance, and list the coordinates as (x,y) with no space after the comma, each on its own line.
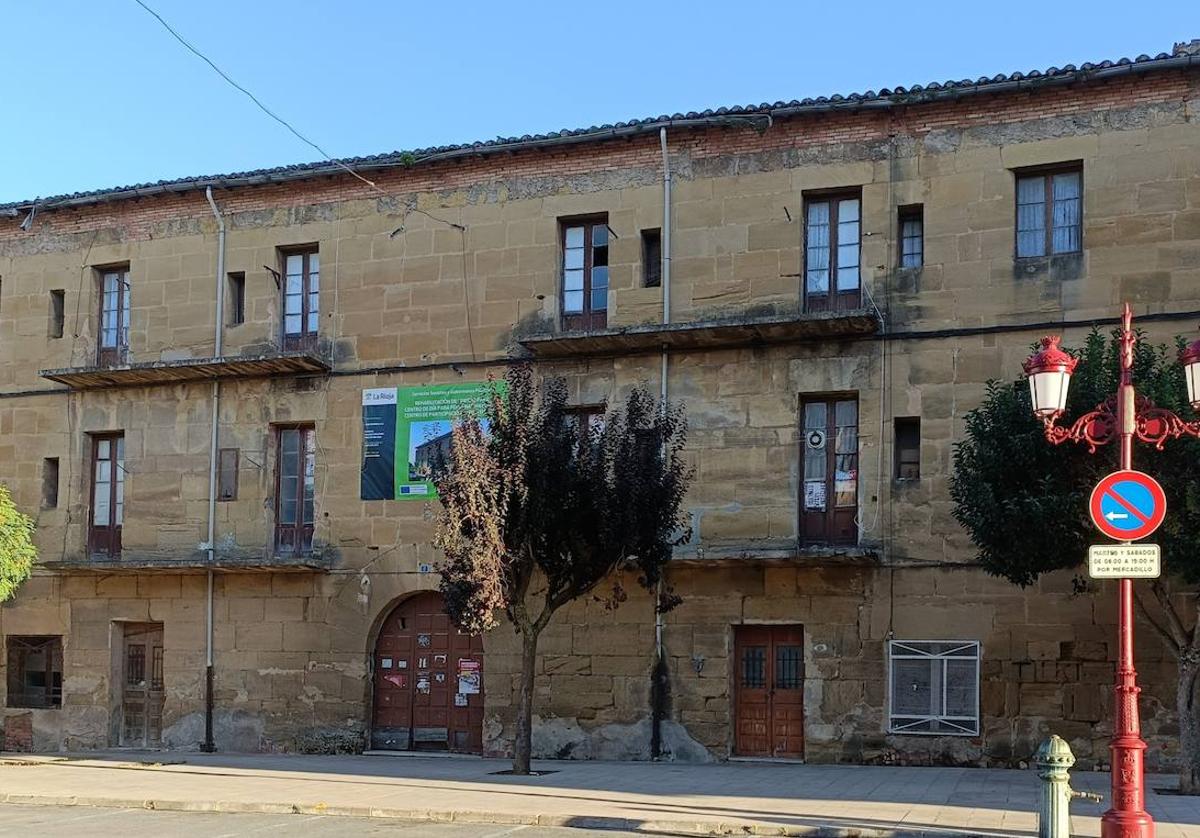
(934,687)
(34,671)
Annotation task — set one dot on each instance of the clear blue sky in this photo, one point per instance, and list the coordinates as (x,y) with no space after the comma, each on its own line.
(96,93)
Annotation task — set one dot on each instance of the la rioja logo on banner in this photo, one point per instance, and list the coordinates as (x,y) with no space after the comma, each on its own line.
(1128,505)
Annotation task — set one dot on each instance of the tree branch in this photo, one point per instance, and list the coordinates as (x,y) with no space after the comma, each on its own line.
(1177,632)
(1162,632)
(1196,627)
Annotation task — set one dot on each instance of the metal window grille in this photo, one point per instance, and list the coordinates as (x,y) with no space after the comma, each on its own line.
(934,687)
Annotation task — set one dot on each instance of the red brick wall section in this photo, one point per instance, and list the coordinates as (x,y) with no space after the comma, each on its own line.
(18,733)
(137,217)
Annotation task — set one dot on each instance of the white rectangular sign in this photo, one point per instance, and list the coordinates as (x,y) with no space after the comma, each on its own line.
(1124,561)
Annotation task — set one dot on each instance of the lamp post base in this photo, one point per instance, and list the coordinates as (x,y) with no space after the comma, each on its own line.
(1116,824)
(1128,817)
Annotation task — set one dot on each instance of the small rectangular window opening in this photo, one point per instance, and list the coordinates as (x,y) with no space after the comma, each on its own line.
(237,298)
(912,236)
(651,258)
(34,671)
(50,483)
(908,448)
(227,474)
(58,306)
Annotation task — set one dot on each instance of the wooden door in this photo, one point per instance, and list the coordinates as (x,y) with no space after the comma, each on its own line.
(585,274)
(428,681)
(829,493)
(113,343)
(295,489)
(106,513)
(769,691)
(142,685)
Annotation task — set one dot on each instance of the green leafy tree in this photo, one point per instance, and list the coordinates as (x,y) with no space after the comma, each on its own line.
(17,552)
(1024,502)
(537,512)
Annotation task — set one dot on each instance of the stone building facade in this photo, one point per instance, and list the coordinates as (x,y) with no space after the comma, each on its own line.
(844,276)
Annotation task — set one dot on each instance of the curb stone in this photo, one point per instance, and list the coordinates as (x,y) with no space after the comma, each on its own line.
(649,827)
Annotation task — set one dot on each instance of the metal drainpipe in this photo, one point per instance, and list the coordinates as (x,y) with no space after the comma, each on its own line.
(218,329)
(660,674)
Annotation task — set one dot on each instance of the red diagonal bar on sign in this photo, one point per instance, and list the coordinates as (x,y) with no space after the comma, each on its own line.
(1127,505)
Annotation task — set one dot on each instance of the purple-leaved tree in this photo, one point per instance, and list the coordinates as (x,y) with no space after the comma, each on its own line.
(537,511)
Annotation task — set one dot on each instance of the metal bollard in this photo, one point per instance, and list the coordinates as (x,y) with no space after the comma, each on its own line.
(1053,760)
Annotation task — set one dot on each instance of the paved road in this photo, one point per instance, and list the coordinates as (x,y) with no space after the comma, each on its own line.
(79,821)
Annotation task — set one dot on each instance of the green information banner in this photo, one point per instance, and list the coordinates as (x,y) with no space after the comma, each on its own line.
(406,430)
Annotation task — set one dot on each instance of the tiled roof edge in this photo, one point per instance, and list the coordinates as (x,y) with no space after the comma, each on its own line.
(882,99)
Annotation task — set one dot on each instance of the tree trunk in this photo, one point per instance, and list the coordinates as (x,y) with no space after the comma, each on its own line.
(1189,728)
(523,745)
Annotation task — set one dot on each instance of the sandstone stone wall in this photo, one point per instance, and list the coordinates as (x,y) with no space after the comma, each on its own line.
(406,298)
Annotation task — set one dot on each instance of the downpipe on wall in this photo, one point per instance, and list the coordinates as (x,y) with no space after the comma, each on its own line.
(208,746)
(660,677)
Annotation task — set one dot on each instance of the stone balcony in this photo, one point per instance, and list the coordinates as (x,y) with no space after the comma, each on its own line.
(136,561)
(716,333)
(150,373)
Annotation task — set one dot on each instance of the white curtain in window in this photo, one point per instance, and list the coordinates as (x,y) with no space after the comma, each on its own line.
(817,249)
(1066,233)
(1031,216)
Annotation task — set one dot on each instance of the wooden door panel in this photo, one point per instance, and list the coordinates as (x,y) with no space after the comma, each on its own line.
(415,665)
(769,691)
(142,687)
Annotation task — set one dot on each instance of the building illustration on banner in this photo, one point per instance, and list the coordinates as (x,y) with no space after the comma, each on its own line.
(407,431)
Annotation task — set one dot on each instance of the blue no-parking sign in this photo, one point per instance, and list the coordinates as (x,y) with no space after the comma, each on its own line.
(1128,505)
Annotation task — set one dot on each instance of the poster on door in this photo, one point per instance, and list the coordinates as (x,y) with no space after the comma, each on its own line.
(407,431)
(469,677)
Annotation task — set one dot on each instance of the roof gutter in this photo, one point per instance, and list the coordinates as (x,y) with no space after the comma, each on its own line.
(921,97)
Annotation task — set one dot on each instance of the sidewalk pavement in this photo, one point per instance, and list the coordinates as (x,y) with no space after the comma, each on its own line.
(735,797)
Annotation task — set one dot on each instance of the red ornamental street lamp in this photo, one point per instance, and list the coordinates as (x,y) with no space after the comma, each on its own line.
(1124,416)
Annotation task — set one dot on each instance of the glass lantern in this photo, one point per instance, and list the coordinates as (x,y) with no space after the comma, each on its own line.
(1049,371)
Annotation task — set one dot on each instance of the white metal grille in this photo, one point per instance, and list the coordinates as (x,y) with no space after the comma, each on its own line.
(934,687)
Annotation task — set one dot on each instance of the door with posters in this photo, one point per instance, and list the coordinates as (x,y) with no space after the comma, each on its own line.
(769,691)
(428,681)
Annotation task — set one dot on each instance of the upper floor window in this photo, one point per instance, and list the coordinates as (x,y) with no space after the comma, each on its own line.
(912,236)
(829,506)
(237,298)
(1049,211)
(58,306)
(227,474)
(585,421)
(34,671)
(108,494)
(907,448)
(832,236)
(651,258)
(295,469)
(301,297)
(114,316)
(585,274)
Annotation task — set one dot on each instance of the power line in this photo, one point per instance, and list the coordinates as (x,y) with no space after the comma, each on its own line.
(254,98)
(195,51)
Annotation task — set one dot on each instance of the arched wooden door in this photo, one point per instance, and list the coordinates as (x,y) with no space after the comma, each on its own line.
(428,681)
